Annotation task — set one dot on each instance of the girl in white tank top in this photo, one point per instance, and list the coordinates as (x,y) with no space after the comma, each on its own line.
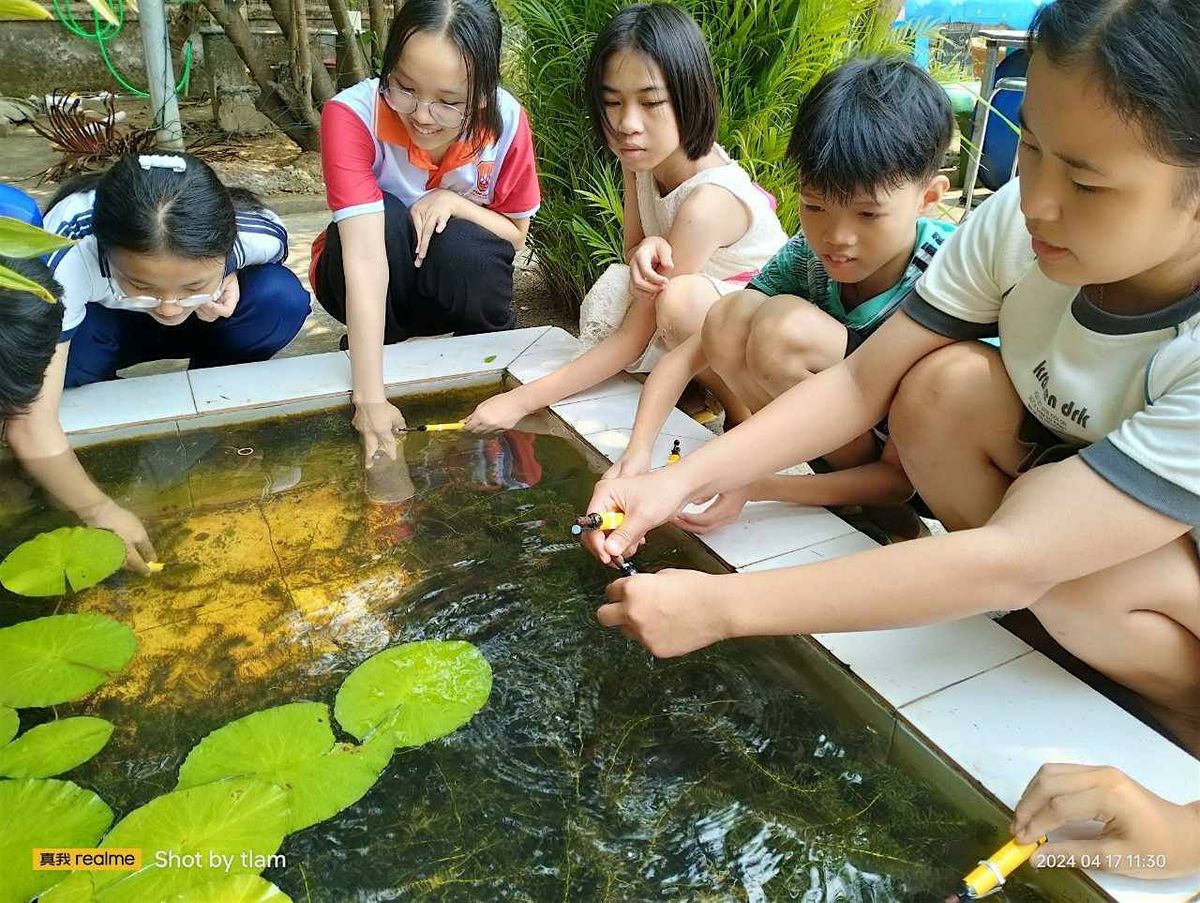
(696,227)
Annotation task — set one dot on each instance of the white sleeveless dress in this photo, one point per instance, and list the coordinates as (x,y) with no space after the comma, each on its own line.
(729,268)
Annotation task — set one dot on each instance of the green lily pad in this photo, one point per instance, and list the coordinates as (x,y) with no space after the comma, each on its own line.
(10,723)
(293,747)
(234,889)
(489,358)
(239,818)
(80,556)
(41,814)
(56,659)
(53,748)
(415,692)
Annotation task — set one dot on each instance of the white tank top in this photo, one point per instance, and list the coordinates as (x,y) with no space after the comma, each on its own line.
(748,254)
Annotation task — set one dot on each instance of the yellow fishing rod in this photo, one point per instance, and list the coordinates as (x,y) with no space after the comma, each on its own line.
(435,427)
(991,873)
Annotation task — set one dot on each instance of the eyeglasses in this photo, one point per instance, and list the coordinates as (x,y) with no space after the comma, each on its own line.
(405,102)
(149,302)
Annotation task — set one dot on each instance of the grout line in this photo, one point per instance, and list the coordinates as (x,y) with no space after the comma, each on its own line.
(962,680)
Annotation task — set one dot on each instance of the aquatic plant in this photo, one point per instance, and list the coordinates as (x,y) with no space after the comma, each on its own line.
(59,658)
(55,747)
(46,564)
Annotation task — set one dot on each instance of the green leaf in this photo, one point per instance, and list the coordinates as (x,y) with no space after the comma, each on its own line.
(22,9)
(293,747)
(240,818)
(56,659)
(234,889)
(80,556)
(19,239)
(489,358)
(15,281)
(104,11)
(10,723)
(43,814)
(53,748)
(414,693)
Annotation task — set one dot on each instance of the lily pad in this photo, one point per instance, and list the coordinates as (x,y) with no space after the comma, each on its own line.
(46,564)
(414,693)
(43,814)
(293,747)
(234,889)
(53,748)
(230,827)
(489,358)
(56,659)
(10,723)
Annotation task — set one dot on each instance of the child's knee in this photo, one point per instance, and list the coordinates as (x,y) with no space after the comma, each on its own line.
(939,391)
(681,306)
(784,344)
(277,294)
(726,326)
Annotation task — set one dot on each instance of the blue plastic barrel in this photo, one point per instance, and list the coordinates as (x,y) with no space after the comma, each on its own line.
(18,205)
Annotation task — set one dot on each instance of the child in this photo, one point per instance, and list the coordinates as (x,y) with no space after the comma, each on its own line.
(157,239)
(431,178)
(868,142)
(1068,468)
(696,227)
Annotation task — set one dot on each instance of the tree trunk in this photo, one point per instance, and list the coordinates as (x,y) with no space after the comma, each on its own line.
(377,13)
(341,21)
(302,57)
(322,85)
(278,102)
(887,10)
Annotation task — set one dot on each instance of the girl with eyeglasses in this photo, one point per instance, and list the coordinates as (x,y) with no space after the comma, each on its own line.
(430,174)
(167,263)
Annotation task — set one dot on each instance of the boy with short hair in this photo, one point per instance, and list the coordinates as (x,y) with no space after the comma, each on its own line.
(868,141)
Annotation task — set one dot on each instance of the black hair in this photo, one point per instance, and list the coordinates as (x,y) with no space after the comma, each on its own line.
(673,40)
(871,124)
(1144,53)
(473,26)
(189,214)
(29,331)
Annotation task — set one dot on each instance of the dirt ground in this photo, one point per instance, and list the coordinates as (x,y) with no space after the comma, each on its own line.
(290,183)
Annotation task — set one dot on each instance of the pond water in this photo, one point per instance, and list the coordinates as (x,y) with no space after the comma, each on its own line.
(593,773)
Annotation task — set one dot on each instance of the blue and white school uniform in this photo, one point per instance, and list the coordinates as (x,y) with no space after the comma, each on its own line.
(106,337)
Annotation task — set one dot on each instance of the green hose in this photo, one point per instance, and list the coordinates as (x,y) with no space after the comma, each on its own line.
(106,31)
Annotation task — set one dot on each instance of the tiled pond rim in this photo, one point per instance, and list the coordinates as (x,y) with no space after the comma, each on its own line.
(969,690)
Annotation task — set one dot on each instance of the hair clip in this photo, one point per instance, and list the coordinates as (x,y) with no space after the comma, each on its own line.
(161,161)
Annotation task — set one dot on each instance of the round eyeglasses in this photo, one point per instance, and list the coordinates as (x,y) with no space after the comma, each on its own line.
(149,302)
(405,102)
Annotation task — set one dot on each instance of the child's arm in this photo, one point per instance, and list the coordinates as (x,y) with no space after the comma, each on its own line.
(666,383)
(633,231)
(821,413)
(879,483)
(39,443)
(597,364)
(363,251)
(1058,523)
(709,219)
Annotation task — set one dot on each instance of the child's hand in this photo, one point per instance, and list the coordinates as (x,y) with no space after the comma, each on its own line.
(224,306)
(377,423)
(500,412)
(650,260)
(430,215)
(725,510)
(139,551)
(630,464)
(670,613)
(1140,829)
(647,501)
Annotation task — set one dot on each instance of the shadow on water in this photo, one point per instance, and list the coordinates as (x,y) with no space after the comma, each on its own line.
(593,773)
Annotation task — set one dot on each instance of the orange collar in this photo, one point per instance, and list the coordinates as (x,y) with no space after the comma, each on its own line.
(389,127)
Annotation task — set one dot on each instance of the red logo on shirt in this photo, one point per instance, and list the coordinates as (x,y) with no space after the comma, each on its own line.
(483,177)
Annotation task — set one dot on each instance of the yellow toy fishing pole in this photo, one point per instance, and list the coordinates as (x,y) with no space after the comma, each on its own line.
(991,873)
(676,453)
(608,520)
(435,427)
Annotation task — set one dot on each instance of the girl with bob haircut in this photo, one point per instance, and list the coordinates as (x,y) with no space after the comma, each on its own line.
(696,227)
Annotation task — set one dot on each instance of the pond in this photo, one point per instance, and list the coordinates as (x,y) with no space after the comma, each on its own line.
(593,772)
